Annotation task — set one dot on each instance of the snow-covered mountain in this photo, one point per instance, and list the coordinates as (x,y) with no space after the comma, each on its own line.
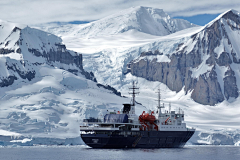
(19,47)
(143,19)
(191,62)
(207,64)
(44,91)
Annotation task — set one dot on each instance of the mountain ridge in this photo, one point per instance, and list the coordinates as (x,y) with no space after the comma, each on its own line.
(143,19)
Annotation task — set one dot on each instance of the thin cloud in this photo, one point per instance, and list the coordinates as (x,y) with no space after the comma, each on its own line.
(43,11)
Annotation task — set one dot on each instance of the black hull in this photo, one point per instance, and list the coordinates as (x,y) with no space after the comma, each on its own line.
(140,139)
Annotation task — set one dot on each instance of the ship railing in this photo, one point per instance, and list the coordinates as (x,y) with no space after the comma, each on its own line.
(113,120)
(107,125)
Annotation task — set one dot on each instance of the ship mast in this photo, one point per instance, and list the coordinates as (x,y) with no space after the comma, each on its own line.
(159,103)
(133,93)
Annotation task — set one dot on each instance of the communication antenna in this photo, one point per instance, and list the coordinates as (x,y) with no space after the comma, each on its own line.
(133,93)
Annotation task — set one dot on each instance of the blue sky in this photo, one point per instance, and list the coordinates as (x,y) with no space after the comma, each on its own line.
(32,12)
(201,19)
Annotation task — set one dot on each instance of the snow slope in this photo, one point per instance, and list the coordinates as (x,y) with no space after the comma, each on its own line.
(54,105)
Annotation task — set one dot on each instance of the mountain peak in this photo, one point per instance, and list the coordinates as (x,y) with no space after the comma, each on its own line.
(229,14)
(151,10)
(142,19)
(231,10)
(138,12)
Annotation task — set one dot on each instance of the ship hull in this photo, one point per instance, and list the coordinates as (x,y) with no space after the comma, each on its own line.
(140,139)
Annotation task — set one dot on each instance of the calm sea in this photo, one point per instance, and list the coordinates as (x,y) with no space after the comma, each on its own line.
(85,153)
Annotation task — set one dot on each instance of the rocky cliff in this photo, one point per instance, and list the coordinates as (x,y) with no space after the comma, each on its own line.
(206,65)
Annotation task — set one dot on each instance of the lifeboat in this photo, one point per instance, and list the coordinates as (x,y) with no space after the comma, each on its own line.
(147,117)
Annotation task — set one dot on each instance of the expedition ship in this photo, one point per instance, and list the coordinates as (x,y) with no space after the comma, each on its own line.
(124,129)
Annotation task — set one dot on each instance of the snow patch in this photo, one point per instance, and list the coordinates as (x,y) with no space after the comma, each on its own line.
(202,68)
(8,133)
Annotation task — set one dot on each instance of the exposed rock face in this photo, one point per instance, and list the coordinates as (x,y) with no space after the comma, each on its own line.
(24,74)
(110,88)
(230,86)
(7,81)
(5,51)
(61,55)
(224,59)
(174,74)
(197,64)
(207,89)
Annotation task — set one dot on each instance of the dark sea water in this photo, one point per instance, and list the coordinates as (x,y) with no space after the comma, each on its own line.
(85,153)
